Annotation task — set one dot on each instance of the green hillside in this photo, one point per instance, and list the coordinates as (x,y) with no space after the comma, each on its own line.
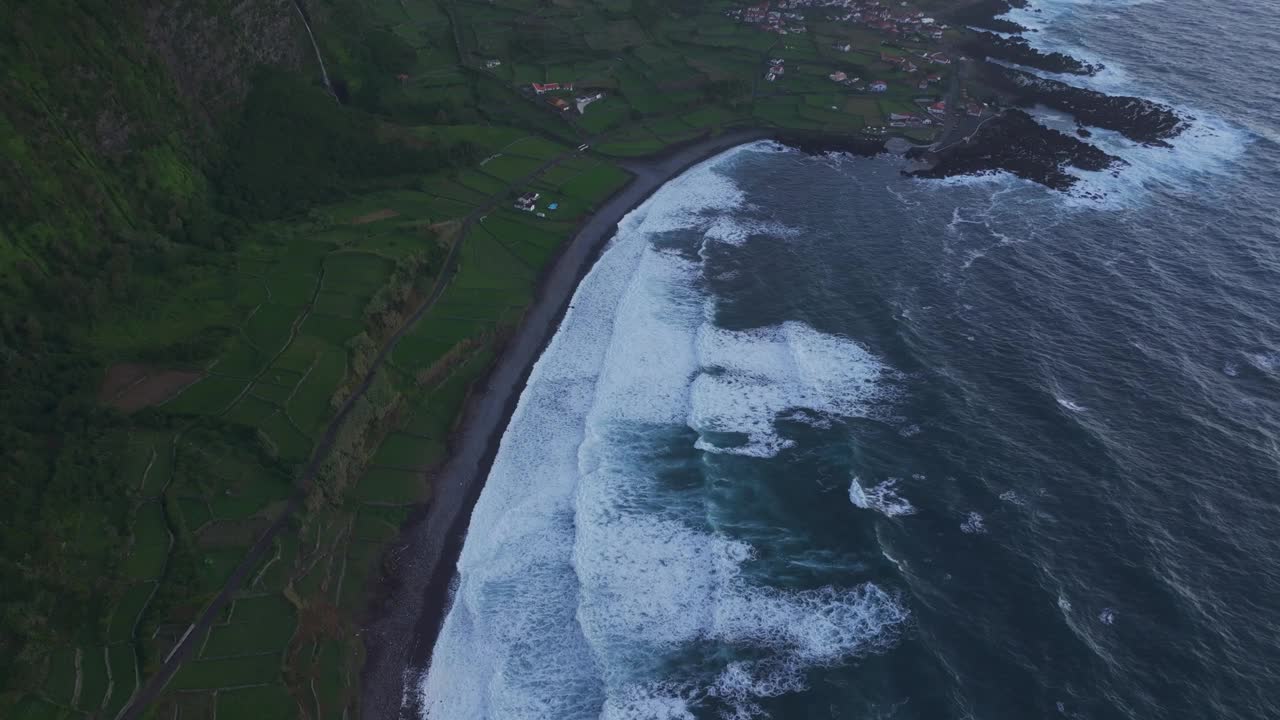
(211,227)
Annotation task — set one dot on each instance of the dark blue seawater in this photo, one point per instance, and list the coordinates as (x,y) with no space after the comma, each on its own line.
(820,441)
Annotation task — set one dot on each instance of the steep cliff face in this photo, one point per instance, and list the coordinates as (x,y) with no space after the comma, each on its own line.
(111,118)
(113,115)
(211,49)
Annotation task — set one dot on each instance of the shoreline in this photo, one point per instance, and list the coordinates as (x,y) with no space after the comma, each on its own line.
(412,597)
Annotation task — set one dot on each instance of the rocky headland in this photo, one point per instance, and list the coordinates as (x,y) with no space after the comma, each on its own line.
(1138,119)
(1018,50)
(1014,142)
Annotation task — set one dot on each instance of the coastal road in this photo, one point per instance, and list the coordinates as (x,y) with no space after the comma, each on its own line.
(959,126)
(406,616)
(955,113)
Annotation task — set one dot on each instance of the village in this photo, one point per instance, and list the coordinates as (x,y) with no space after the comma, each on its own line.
(865,67)
(784,17)
(924,67)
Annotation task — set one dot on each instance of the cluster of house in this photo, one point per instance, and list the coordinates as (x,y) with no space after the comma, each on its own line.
(781,17)
(896,24)
(777,21)
(843,78)
(909,120)
(560,101)
(856,84)
(906,65)
(582,101)
(936,109)
(544,88)
(527,202)
(777,68)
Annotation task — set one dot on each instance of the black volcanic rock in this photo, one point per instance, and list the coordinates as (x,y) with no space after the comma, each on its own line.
(984,14)
(1138,119)
(819,143)
(1016,143)
(1017,50)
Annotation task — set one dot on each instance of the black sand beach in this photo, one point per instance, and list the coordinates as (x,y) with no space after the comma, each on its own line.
(410,605)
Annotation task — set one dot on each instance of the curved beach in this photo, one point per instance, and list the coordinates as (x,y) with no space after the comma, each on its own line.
(409,607)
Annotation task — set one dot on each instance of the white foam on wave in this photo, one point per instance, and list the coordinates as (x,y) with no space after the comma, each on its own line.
(749,377)
(1208,145)
(511,645)
(977,179)
(883,498)
(656,701)
(1040,16)
(812,628)
(1266,362)
(579,575)
(1013,498)
(974,524)
(1069,404)
(736,231)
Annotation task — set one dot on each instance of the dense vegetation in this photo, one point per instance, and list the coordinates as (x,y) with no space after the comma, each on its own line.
(292,149)
(182,198)
(113,196)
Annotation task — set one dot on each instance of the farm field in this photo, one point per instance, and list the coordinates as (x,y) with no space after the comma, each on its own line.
(222,468)
(284,281)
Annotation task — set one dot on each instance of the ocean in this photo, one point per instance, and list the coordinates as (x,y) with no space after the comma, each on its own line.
(818,440)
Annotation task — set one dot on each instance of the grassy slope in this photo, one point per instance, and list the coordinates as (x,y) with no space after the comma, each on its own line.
(272,240)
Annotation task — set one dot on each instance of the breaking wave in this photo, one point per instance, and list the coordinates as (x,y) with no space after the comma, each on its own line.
(589,586)
(1208,146)
(882,498)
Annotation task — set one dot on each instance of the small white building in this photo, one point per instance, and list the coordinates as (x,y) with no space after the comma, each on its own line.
(582,101)
(527,202)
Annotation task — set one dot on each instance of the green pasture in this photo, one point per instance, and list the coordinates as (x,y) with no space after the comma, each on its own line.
(127,612)
(270,702)
(93,678)
(510,168)
(150,542)
(60,681)
(228,673)
(258,625)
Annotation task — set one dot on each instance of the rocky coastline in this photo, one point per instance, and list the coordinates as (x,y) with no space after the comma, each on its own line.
(1014,142)
(1018,50)
(1138,119)
(984,14)
(820,144)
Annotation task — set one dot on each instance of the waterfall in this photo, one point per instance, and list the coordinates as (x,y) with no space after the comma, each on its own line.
(324,74)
